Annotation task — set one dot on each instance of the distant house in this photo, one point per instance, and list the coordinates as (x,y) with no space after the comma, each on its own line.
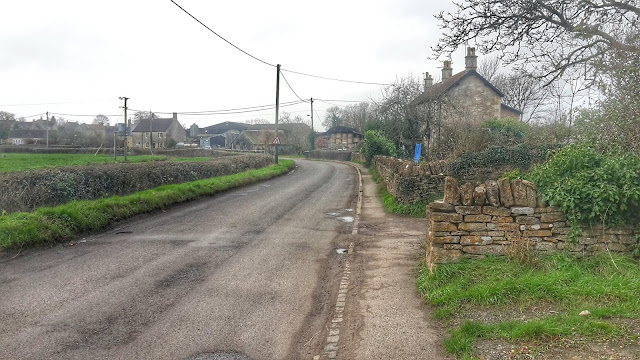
(239,136)
(157,133)
(342,137)
(28,137)
(465,96)
(221,135)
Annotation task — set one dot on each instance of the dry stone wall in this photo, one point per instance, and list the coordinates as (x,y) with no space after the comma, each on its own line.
(498,217)
(409,182)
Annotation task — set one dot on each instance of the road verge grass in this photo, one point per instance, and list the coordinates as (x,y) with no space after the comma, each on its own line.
(79,217)
(465,294)
(416,209)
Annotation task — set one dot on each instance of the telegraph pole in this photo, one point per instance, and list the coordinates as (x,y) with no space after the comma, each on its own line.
(312,114)
(126,128)
(47,129)
(151,132)
(277,107)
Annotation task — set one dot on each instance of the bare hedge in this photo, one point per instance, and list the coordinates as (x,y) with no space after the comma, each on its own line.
(25,191)
(330,155)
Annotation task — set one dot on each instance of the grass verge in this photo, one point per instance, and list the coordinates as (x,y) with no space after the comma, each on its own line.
(19,161)
(79,217)
(417,209)
(560,284)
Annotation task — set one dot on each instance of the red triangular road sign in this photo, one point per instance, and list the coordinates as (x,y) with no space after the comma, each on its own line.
(276,141)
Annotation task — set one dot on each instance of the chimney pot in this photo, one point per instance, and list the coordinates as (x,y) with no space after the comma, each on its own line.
(471,60)
(428,80)
(447,70)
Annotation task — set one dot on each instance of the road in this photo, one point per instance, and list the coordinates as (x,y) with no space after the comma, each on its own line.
(251,273)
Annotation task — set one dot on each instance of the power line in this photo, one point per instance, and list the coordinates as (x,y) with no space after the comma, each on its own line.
(353,101)
(228,112)
(289,85)
(336,79)
(272,65)
(82,115)
(220,36)
(30,116)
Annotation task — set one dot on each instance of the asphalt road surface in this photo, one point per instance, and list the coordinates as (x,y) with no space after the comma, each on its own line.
(247,273)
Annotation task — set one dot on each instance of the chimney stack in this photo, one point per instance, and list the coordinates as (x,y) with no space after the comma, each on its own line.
(471,60)
(428,80)
(175,116)
(447,70)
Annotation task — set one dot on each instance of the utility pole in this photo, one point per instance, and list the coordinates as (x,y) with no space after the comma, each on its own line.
(277,107)
(126,128)
(47,129)
(311,114)
(151,132)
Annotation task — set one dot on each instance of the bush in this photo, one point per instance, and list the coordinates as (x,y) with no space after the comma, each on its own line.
(376,144)
(521,156)
(506,130)
(590,186)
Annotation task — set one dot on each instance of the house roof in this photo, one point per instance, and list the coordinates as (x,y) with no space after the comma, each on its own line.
(27,134)
(224,127)
(437,90)
(504,106)
(157,125)
(341,130)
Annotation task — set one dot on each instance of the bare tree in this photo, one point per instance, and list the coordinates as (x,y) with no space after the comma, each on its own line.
(548,37)
(7,116)
(101,119)
(332,117)
(489,68)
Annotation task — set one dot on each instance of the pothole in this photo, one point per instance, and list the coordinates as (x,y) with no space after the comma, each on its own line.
(342,251)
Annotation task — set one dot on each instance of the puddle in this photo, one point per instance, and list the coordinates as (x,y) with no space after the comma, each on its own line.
(348,210)
(334,214)
(341,251)
(347,219)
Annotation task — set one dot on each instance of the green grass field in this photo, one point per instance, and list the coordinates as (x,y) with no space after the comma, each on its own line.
(19,161)
(468,294)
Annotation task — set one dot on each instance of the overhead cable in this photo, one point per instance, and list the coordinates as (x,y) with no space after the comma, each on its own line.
(272,65)
(220,36)
(289,85)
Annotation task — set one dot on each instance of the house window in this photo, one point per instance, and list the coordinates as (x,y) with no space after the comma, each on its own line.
(17,141)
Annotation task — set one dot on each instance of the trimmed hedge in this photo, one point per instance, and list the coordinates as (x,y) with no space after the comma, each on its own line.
(88,216)
(26,191)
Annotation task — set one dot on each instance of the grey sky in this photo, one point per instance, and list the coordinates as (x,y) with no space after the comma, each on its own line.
(80,56)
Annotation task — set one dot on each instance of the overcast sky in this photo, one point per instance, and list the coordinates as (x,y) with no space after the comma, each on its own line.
(78,57)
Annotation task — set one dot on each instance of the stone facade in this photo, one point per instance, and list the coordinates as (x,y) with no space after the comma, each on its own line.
(473,100)
(495,217)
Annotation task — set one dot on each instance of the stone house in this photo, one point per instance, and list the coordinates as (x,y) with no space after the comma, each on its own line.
(157,133)
(342,137)
(465,96)
(28,137)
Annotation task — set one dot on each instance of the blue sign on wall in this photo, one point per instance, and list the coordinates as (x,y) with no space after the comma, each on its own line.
(418,152)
